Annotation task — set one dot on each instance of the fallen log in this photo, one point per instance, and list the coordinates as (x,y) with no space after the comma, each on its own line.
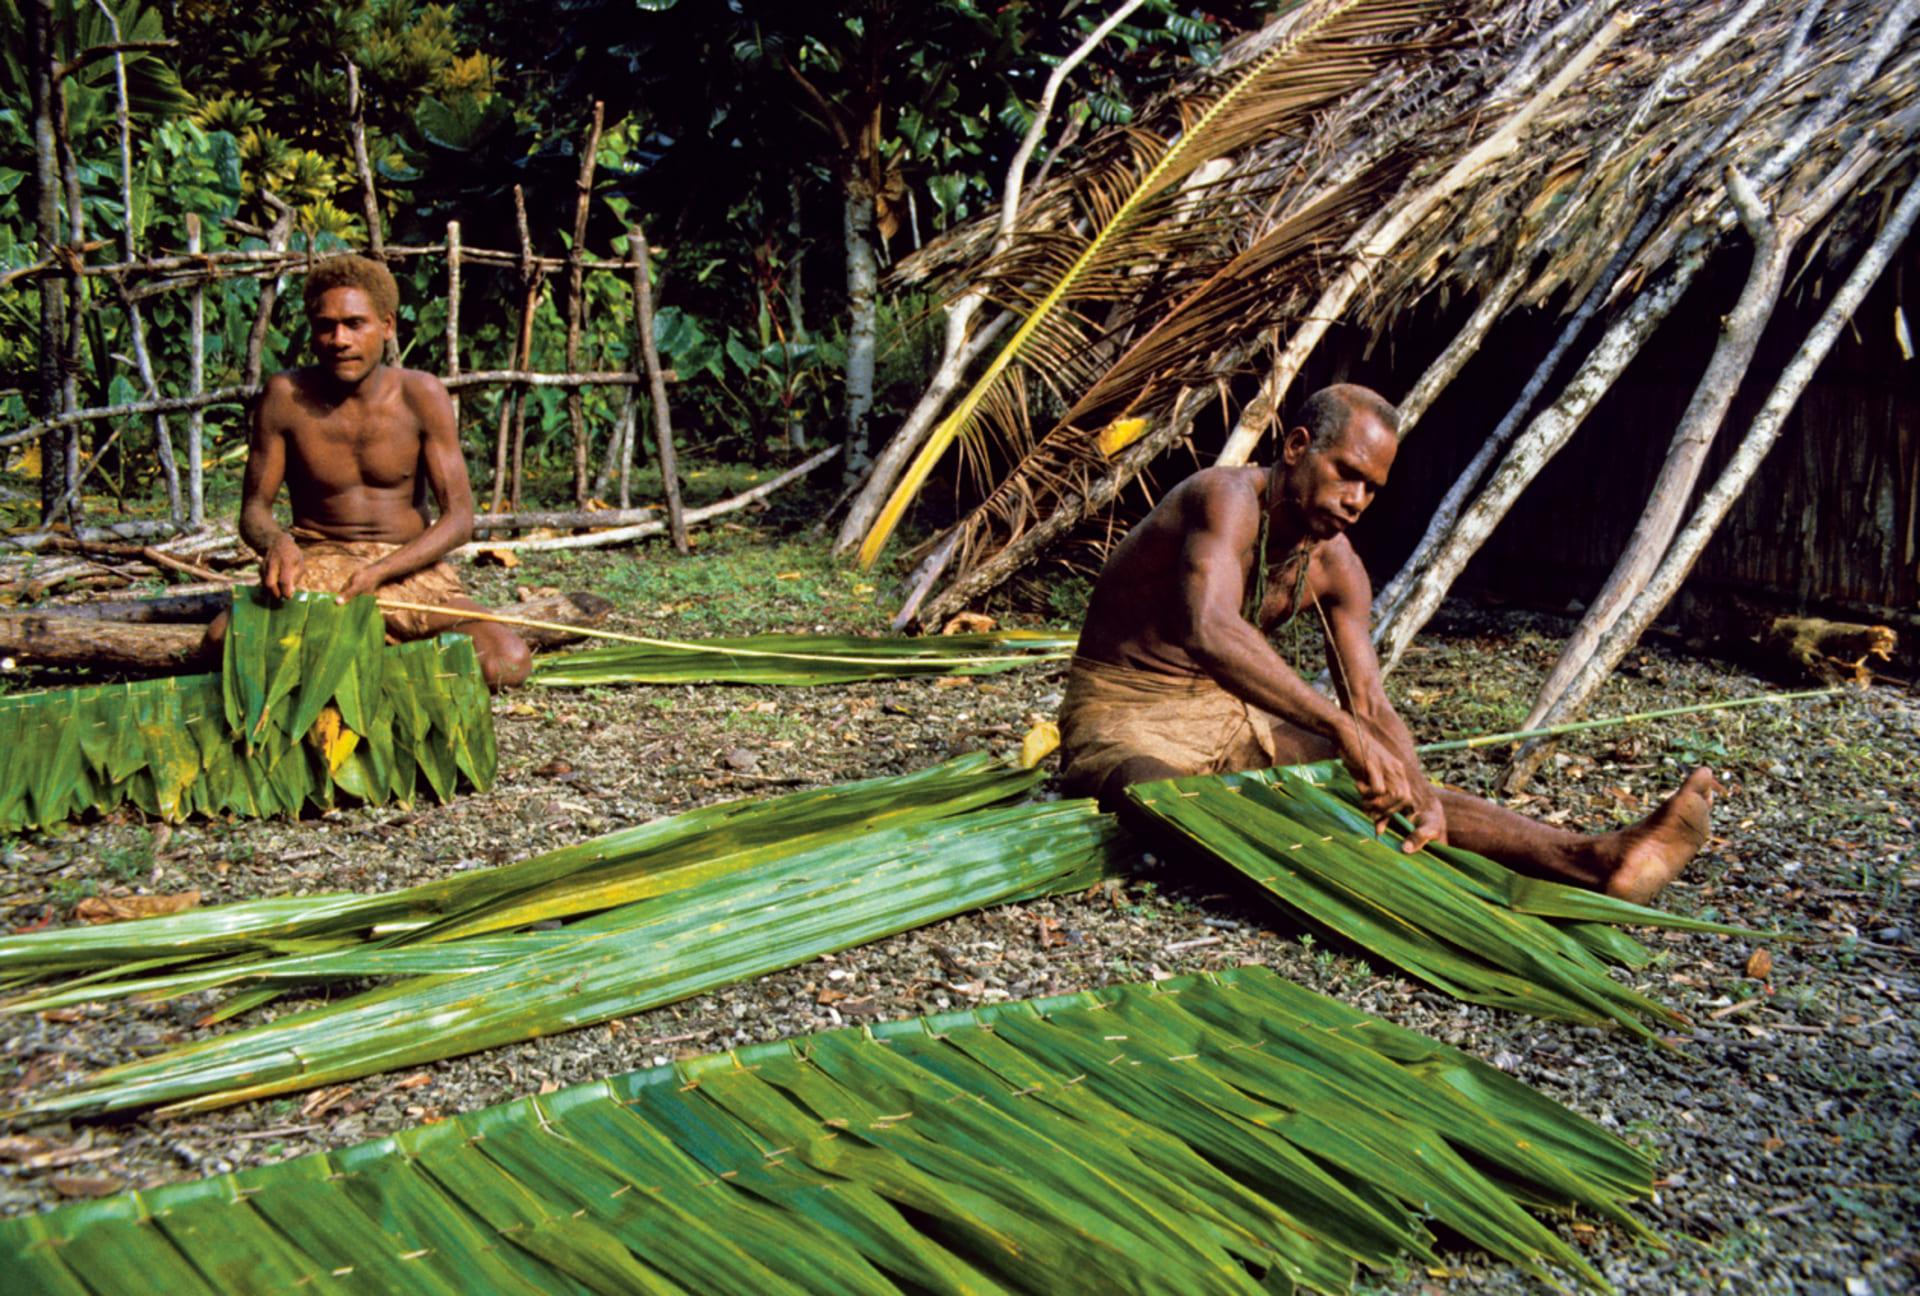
(195,608)
(76,638)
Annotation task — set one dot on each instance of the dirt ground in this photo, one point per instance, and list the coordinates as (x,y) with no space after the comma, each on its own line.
(1785,1123)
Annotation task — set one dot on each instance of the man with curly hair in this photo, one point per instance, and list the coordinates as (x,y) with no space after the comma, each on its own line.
(360,446)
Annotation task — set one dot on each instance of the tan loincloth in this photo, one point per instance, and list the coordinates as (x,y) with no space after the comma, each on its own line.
(1111,714)
(330,564)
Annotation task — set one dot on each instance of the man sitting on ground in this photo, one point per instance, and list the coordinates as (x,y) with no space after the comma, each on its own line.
(1172,677)
(360,445)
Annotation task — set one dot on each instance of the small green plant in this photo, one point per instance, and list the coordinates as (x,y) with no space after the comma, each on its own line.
(67,891)
(129,862)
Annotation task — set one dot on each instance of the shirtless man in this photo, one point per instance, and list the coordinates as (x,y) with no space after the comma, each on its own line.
(359,446)
(1172,678)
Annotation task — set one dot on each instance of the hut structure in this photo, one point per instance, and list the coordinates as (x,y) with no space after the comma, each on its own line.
(1650,224)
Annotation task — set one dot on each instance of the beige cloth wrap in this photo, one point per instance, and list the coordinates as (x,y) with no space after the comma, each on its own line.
(1111,714)
(330,564)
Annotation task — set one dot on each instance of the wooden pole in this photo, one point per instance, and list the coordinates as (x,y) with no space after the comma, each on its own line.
(369,197)
(277,238)
(510,440)
(197,387)
(136,325)
(1719,499)
(656,385)
(451,367)
(576,303)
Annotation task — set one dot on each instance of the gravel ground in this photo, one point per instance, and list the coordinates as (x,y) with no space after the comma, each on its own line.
(1785,1124)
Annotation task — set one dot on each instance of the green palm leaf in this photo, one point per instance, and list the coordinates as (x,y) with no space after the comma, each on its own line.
(566,883)
(1227,1133)
(238,742)
(785,908)
(1327,53)
(1454,920)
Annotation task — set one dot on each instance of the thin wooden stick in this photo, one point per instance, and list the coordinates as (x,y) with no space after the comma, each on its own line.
(467,614)
(369,197)
(450,368)
(1521,735)
(621,534)
(179,271)
(196,388)
(657,387)
(576,305)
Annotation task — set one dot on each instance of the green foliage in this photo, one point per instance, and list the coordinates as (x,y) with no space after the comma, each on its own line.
(1228,1133)
(308,705)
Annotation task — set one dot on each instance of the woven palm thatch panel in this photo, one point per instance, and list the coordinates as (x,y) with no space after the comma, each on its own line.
(1223,1133)
(309,704)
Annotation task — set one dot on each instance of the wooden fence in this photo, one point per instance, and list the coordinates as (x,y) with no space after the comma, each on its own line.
(64,277)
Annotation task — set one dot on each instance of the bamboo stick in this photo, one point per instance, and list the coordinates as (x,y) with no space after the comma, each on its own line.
(656,383)
(576,305)
(1579,726)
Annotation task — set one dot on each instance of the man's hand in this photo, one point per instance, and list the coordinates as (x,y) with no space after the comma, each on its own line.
(281,567)
(367,580)
(1388,787)
(1429,821)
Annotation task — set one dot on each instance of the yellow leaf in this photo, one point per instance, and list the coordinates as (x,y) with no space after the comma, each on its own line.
(968,623)
(332,739)
(1119,434)
(1039,743)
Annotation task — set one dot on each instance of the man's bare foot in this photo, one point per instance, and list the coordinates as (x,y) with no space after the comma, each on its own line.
(1653,851)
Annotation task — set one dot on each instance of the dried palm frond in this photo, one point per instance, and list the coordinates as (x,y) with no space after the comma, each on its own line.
(309,704)
(1226,1133)
(1144,225)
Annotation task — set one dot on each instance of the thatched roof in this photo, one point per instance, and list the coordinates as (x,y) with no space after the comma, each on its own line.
(1678,76)
(1659,100)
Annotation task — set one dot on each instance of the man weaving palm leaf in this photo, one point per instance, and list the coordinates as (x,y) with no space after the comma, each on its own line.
(1175,676)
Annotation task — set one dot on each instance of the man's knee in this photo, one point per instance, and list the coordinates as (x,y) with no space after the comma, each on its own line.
(505,659)
(1135,769)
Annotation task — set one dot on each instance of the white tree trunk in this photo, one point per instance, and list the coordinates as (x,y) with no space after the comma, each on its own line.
(1774,242)
(1543,439)
(863,286)
(1719,499)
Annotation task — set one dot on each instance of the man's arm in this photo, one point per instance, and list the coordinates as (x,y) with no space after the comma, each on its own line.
(1220,529)
(446,473)
(280,561)
(1346,601)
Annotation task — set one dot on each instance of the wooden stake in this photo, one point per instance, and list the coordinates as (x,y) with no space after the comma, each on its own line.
(450,367)
(657,387)
(576,305)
